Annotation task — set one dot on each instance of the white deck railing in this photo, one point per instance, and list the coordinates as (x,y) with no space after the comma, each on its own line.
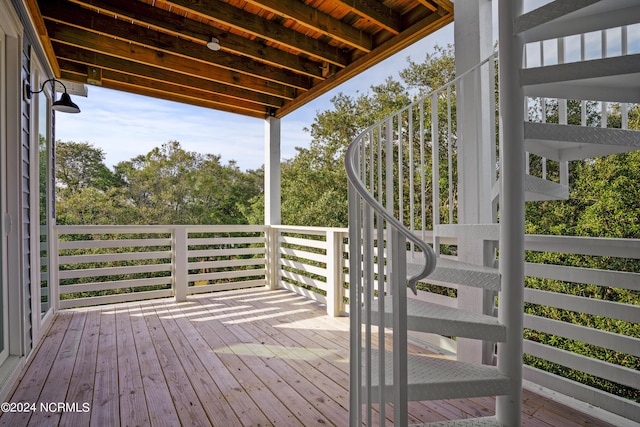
(575,296)
(105,264)
(108,264)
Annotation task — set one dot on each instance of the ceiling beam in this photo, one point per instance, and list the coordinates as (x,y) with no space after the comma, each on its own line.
(93,59)
(164,90)
(227,15)
(417,31)
(114,85)
(198,32)
(377,12)
(429,5)
(123,30)
(121,49)
(321,22)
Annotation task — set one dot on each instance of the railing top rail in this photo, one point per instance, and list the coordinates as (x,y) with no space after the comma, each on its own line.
(597,246)
(108,229)
(429,95)
(309,230)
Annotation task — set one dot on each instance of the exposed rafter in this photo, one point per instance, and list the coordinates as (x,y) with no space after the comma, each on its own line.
(275,55)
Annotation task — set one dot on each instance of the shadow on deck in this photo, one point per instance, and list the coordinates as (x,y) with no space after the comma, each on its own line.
(237,358)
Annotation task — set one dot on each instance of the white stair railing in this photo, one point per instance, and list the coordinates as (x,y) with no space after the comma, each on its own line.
(377,263)
(389,166)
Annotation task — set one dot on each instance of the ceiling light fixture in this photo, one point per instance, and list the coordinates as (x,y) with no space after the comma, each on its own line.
(214,44)
(64,104)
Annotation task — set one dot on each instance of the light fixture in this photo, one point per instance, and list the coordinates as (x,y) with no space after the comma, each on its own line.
(64,104)
(214,44)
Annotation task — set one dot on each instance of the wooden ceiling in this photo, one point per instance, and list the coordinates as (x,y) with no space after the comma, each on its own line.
(275,55)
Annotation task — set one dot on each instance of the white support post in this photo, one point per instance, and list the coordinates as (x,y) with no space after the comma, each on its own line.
(334,273)
(180,262)
(474,43)
(271,258)
(54,267)
(272,210)
(512,209)
(272,202)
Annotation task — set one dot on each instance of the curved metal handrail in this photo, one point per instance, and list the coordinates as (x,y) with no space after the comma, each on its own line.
(351,162)
(427,251)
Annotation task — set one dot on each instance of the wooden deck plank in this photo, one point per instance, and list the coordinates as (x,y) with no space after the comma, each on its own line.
(105,408)
(289,364)
(55,387)
(246,410)
(37,372)
(299,332)
(276,412)
(185,399)
(206,390)
(162,412)
(247,358)
(325,353)
(548,411)
(82,380)
(133,406)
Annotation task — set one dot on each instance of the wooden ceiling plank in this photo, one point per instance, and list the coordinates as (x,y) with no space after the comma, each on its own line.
(136,53)
(86,58)
(137,90)
(102,24)
(376,11)
(180,26)
(417,31)
(323,23)
(225,14)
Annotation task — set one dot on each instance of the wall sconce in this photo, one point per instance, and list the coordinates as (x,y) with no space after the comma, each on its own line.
(214,44)
(64,104)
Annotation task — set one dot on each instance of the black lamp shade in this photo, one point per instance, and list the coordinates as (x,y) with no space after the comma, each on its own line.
(65,104)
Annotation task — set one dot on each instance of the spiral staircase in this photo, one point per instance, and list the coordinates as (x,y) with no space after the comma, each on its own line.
(389,252)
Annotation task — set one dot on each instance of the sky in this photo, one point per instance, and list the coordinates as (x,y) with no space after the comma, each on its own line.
(124,125)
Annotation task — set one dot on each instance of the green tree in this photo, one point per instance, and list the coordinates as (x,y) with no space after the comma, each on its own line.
(170,185)
(80,165)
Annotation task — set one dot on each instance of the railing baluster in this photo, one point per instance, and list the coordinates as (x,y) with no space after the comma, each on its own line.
(449,155)
(368,301)
(400,169)
(435,162)
(423,197)
(412,172)
(389,175)
(355,300)
(383,285)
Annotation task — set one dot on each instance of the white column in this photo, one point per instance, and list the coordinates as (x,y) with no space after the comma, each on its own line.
(272,211)
(180,263)
(473,43)
(512,209)
(335,274)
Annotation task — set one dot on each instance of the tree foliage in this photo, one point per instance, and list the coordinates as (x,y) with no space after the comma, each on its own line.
(168,185)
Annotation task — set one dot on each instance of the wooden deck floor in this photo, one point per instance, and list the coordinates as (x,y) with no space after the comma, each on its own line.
(237,358)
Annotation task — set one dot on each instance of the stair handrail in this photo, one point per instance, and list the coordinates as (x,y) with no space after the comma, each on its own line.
(352,174)
(351,166)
